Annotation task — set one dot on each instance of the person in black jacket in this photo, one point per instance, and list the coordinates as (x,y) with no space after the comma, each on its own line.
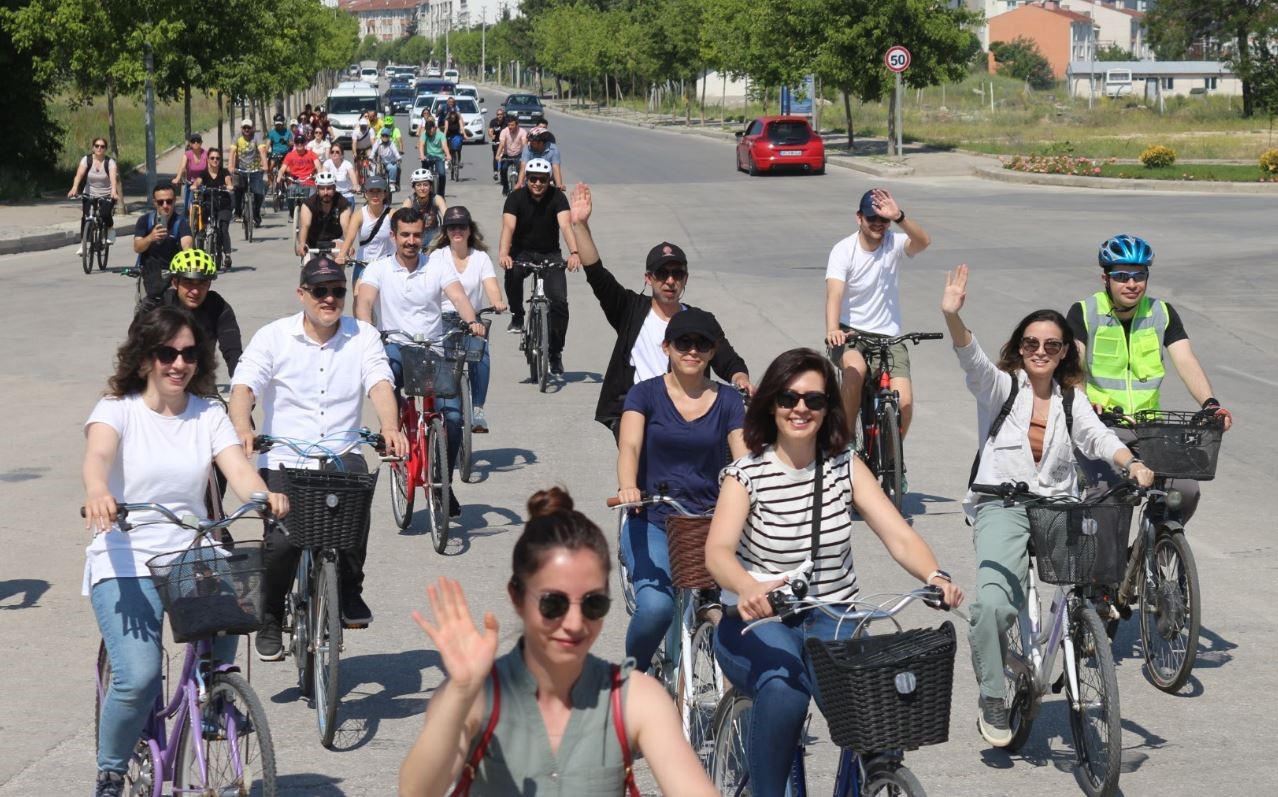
(191,274)
(639,319)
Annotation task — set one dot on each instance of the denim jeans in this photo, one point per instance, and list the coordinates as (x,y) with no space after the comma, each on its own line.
(436,164)
(450,408)
(130,620)
(768,664)
(392,173)
(480,373)
(644,547)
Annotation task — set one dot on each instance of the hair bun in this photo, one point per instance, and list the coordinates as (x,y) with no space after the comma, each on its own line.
(548,502)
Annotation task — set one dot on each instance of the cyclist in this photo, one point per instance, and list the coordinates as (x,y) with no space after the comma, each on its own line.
(510,145)
(247,154)
(672,436)
(441,116)
(280,138)
(1121,332)
(100,176)
(325,215)
(387,154)
(370,228)
(344,173)
(362,140)
(462,248)
(409,296)
(455,131)
(433,152)
(397,138)
(640,320)
(1034,387)
(300,164)
(863,297)
(158,235)
(216,175)
(310,373)
(566,721)
(495,126)
(533,218)
(319,143)
(152,438)
(765,529)
(539,146)
(424,201)
(191,274)
(194,159)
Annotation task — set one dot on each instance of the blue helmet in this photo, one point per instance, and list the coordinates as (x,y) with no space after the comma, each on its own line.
(1126,250)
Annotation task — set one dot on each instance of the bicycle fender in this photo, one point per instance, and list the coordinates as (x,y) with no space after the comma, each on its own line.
(1169,527)
(224,668)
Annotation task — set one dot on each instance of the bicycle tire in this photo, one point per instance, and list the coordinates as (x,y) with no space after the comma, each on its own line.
(697,709)
(1098,744)
(247,214)
(464,462)
(1019,691)
(894,780)
(890,455)
(103,680)
(326,621)
(401,495)
(246,767)
(1170,612)
(731,770)
(543,350)
(86,247)
(297,609)
(295,224)
(437,483)
(530,344)
(101,250)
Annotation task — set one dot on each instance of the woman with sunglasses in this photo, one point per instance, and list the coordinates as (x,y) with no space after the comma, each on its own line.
(99,175)
(1036,387)
(344,172)
(673,428)
(765,531)
(425,201)
(152,438)
(319,143)
(540,719)
(369,228)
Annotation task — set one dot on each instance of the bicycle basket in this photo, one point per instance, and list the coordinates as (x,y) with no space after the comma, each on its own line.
(427,373)
(887,692)
(1080,543)
(328,509)
(1179,445)
(210,589)
(686,539)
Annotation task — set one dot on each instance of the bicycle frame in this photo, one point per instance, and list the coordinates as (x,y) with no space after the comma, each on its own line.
(1041,643)
(1154,515)
(416,423)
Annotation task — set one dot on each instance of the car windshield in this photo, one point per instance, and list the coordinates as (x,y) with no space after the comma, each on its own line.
(789,132)
(522,99)
(465,105)
(351,104)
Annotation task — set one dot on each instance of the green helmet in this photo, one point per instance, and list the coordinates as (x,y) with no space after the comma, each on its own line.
(193,264)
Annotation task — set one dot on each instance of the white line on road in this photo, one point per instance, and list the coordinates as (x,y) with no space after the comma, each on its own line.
(1245,375)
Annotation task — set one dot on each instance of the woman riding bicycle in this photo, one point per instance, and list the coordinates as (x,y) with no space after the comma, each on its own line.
(763,533)
(541,718)
(370,228)
(426,202)
(1036,388)
(673,429)
(153,438)
(99,176)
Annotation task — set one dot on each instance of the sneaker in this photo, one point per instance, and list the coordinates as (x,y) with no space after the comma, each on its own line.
(479,424)
(355,611)
(557,364)
(110,784)
(257,222)
(495,177)
(992,721)
(454,507)
(79,250)
(110,239)
(516,325)
(270,641)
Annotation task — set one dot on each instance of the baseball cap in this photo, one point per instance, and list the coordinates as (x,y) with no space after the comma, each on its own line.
(456,216)
(374,183)
(246,123)
(196,137)
(867,205)
(663,253)
(693,321)
(322,269)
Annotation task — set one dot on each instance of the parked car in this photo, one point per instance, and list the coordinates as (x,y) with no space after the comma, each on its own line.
(432,71)
(472,116)
(369,74)
(772,143)
(422,104)
(524,107)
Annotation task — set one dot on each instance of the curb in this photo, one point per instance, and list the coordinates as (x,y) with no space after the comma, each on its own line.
(56,236)
(1124,184)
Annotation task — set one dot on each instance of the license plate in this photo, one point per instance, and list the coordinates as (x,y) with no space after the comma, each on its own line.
(791,152)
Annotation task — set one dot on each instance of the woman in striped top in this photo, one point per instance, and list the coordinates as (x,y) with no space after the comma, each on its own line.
(762,531)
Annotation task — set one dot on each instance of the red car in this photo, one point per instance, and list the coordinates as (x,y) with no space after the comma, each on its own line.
(773,143)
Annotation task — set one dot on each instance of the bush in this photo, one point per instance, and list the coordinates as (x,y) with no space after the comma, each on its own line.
(1158,157)
(1269,161)
(1021,59)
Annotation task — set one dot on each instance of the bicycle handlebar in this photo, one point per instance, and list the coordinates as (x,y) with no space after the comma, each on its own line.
(784,606)
(650,500)
(364,436)
(1019,492)
(258,502)
(541,265)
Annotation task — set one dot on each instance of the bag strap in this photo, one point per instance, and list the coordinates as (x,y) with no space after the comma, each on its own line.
(1003,412)
(376,227)
(632,789)
(1067,404)
(472,764)
(818,504)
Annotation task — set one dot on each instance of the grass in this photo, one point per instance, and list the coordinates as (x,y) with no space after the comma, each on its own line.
(1190,171)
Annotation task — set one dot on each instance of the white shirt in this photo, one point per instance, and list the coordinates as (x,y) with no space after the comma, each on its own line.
(310,390)
(472,279)
(871,293)
(344,174)
(646,355)
(320,147)
(381,245)
(1008,458)
(410,301)
(160,459)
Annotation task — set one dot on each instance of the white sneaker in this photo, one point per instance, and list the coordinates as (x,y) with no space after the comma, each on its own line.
(479,424)
(110,239)
(79,250)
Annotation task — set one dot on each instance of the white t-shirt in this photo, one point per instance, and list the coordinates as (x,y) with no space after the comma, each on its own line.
(160,459)
(410,301)
(382,244)
(344,174)
(646,355)
(872,295)
(472,279)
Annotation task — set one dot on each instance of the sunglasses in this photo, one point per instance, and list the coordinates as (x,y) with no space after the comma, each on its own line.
(167,355)
(789,399)
(686,343)
(554,605)
(1124,276)
(1051,346)
(663,274)
(215,157)
(164,201)
(538,178)
(99,146)
(320,292)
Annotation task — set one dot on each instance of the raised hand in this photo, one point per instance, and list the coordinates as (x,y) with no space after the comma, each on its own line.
(467,653)
(885,206)
(955,290)
(580,204)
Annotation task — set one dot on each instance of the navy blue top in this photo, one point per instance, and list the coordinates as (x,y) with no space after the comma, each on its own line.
(686,455)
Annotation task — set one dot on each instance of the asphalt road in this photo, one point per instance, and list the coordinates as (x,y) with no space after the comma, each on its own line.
(758,248)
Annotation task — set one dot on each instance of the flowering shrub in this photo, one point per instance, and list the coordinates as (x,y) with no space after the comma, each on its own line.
(1053,164)
(1158,156)
(1269,161)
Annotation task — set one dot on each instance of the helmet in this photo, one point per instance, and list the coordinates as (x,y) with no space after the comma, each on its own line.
(422,176)
(279,118)
(388,122)
(193,264)
(1126,250)
(537,166)
(538,134)
(325,178)
(386,132)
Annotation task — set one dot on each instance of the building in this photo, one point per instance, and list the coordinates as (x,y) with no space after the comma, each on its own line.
(386,19)
(1062,36)
(1152,80)
(1116,26)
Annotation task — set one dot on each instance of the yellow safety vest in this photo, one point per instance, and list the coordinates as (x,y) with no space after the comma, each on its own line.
(1124,370)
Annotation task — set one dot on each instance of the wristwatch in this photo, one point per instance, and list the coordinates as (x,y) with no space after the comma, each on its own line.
(1126,471)
(900,218)
(938,574)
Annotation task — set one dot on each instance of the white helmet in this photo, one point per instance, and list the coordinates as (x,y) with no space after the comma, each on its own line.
(422,176)
(325,178)
(537,166)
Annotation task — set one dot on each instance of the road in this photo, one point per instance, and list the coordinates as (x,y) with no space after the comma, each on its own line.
(757,247)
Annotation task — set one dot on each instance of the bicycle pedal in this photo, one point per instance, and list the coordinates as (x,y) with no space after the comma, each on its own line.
(354,626)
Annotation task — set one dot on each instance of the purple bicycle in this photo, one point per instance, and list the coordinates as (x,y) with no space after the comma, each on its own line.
(211,736)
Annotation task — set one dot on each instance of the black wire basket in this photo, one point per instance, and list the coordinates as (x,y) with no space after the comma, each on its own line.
(428,373)
(327,509)
(1179,445)
(210,589)
(886,692)
(1080,543)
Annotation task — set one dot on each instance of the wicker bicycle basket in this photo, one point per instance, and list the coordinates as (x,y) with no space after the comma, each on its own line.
(427,373)
(686,540)
(328,509)
(1179,445)
(210,589)
(887,692)
(1080,543)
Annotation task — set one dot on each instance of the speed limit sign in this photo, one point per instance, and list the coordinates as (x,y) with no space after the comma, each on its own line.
(897,58)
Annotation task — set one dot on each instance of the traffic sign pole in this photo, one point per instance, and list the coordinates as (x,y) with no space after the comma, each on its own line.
(900,150)
(897,59)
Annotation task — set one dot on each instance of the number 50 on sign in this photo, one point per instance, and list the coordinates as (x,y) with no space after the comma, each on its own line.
(897,59)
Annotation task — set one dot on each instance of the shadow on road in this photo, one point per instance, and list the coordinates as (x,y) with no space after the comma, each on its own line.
(22,475)
(31,589)
(917,503)
(500,460)
(473,522)
(310,784)
(385,687)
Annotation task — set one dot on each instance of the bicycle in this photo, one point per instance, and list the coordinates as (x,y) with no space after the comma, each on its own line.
(534,340)
(329,513)
(250,200)
(511,167)
(455,164)
(1081,547)
(878,431)
(881,696)
(93,234)
(295,193)
(219,741)
(469,349)
(206,224)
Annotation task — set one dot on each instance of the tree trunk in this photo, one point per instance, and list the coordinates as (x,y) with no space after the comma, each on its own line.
(705,73)
(110,89)
(186,108)
(847,114)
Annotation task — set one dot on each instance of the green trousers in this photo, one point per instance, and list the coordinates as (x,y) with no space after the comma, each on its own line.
(1001,538)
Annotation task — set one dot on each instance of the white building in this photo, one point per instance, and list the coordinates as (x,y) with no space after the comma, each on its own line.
(385,19)
(438,16)
(1115,26)
(1154,79)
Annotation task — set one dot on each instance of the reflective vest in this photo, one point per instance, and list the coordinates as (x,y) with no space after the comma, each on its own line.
(1124,370)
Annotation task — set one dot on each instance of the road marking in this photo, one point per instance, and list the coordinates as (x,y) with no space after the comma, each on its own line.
(1246,375)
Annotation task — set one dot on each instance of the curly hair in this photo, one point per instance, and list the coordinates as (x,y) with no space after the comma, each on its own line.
(553,523)
(149,331)
(1069,371)
(760,422)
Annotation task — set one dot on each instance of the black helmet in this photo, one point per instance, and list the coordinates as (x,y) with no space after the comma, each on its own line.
(279,118)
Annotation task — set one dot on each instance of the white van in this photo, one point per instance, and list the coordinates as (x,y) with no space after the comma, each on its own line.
(452,74)
(368,73)
(345,106)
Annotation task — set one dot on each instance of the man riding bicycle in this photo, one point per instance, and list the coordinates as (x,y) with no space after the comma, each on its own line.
(362,140)
(510,144)
(191,274)
(433,151)
(540,146)
(280,138)
(301,164)
(495,126)
(248,158)
(324,216)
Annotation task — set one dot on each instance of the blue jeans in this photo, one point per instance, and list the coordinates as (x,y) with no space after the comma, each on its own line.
(392,172)
(450,408)
(436,164)
(768,664)
(130,620)
(648,557)
(479,376)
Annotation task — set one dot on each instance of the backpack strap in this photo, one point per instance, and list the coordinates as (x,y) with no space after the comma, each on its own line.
(632,789)
(373,234)
(997,424)
(472,764)
(1067,404)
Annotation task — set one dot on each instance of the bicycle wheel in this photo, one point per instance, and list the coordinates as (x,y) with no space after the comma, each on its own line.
(891,780)
(1018,689)
(697,707)
(298,618)
(543,349)
(227,749)
(529,344)
(1169,612)
(731,771)
(889,455)
(401,495)
(437,483)
(1095,719)
(101,250)
(247,212)
(467,420)
(86,247)
(326,640)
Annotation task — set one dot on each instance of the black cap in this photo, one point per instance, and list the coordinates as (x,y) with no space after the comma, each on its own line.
(456,216)
(322,269)
(197,137)
(867,205)
(693,322)
(663,253)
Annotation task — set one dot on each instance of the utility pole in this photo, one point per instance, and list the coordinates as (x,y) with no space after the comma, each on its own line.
(148,61)
(483,45)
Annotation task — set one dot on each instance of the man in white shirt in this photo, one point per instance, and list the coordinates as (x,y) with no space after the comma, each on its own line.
(863,296)
(409,298)
(310,373)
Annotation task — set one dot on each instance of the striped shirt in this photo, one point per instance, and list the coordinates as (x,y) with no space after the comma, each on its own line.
(778,533)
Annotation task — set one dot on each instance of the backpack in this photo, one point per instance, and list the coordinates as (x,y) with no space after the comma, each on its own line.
(1067,404)
(87,160)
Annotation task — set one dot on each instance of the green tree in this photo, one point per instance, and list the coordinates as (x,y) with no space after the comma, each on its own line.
(1021,59)
(1113,52)
(34,138)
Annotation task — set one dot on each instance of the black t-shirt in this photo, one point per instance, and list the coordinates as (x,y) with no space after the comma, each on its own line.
(207,180)
(1175,329)
(325,226)
(164,250)
(495,126)
(536,222)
